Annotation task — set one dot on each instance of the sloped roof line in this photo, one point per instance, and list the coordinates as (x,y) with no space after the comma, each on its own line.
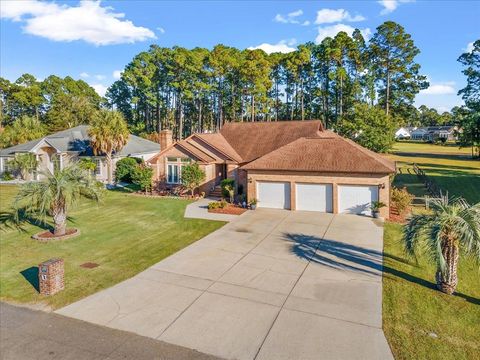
(235,156)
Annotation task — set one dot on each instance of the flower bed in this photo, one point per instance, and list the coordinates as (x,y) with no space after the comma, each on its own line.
(45,236)
(228,209)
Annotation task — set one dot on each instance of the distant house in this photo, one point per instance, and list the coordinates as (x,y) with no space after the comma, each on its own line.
(435,133)
(57,150)
(295,165)
(418,134)
(404,132)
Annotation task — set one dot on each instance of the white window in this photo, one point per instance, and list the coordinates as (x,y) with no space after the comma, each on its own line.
(173,173)
(98,166)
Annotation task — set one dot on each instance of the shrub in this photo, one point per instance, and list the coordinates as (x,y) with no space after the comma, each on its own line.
(213,205)
(7,176)
(401,199)
(377,205)
(142,176)
(125,169)
(231,193)
(217,205)
(224,183)
(25,164)
(192,176)
(88,165)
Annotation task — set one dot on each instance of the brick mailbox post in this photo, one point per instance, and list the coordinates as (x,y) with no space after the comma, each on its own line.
(51,276)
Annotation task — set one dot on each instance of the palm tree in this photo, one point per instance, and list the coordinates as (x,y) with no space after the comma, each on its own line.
(56,194)
(109,133)
(453,226)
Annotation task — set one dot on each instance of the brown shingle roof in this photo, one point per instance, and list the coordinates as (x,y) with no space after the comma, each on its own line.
(252,140)
(329,153)
(218,142)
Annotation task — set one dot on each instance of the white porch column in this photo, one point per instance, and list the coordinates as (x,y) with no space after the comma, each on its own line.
(1,165)
(60,161)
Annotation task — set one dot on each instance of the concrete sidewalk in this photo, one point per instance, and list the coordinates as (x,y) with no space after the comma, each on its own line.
(27,334)
(272,284)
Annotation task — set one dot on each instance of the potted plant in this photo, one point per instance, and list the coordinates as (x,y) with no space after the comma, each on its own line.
(375,207)
(253,204)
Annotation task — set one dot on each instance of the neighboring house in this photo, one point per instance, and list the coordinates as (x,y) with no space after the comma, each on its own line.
(293,165)
(404,132)
(55,151)
(435,133)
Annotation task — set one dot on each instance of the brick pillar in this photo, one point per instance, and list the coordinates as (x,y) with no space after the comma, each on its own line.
(293,196)
(51,276)
(335,198)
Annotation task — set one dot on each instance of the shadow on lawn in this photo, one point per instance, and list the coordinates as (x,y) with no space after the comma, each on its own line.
(348,257)
(31,275)
(433,156)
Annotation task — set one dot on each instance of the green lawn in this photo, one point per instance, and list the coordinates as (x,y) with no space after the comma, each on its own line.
(451,167)
(412,307)
(125,235)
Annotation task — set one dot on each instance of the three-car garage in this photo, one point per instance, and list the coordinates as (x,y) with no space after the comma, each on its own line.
(321,197)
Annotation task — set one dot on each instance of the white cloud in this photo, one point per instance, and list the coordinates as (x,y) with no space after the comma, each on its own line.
(306,23)
(469,47)
(100,77)
(332,30)
(117,74)
(161,30)
(88,21)
(325,16)
(100,89)
(283,46)
(391,5)
(440,89)
(290,18)
(85,75)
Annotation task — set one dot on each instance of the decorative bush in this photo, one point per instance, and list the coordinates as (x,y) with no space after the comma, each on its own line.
(142,176)
(125,169)
(401,199)
(192,177)
(25,164)
(7,176)
(224,183)
(87,164)
(217,205)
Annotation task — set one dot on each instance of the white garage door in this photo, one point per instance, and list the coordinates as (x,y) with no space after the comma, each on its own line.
(355,199)
(314,197)
(273,195)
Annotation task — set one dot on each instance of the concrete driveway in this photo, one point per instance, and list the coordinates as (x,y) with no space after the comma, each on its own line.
(272,284)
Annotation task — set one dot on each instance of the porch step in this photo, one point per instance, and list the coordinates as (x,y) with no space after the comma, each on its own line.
(216,192)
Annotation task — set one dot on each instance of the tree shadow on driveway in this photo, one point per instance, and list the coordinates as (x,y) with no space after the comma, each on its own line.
(349,257)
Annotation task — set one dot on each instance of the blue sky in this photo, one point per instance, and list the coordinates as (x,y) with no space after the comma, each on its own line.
(95,40)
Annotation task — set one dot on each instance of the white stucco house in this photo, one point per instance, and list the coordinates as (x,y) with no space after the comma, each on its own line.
(404,133)
(57,150)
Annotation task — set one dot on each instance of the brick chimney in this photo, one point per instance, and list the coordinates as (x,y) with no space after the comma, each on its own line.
(166,139)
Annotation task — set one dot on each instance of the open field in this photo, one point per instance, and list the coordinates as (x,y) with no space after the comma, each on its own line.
(451,167)
(419,321)
(124,235)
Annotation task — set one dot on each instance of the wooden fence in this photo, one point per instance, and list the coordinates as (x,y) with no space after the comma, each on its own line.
(432,187)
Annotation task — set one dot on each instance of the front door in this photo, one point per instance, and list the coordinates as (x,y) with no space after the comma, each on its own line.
(221,173)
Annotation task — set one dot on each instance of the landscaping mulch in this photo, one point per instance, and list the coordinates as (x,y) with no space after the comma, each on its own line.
(396,217)
(89,265)
(48,235)
(229,210)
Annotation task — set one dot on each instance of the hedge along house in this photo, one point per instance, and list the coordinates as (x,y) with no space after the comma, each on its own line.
(57,150)
(293,165)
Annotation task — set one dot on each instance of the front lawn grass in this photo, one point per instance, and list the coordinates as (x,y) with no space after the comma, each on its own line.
(124,235)
(414,312)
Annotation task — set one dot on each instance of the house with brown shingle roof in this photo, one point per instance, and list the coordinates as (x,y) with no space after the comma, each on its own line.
(296,165)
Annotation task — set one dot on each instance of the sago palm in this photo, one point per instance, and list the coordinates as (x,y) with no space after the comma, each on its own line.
(56,194)
(452,228)
(109,133)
